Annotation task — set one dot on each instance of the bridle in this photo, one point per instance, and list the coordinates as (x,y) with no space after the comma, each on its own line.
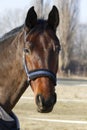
(34,74)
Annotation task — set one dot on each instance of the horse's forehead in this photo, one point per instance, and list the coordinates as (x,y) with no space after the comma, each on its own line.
(41,36)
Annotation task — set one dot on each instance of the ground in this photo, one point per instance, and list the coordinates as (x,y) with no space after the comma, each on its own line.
(69,113)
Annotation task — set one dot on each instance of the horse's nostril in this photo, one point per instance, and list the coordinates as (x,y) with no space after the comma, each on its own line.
(45,105)
(39,100)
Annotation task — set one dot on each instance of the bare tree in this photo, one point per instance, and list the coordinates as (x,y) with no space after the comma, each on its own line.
(82,45)
(67,30)
(43,8)
(15,18)
(39,7)
(11,19)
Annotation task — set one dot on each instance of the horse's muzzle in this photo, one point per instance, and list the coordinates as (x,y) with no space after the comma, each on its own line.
(45,106)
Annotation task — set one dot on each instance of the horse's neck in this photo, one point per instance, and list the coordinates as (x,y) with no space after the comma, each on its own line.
(12,76)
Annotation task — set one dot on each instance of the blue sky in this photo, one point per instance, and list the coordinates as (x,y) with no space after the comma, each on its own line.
(13,4)
(83,11)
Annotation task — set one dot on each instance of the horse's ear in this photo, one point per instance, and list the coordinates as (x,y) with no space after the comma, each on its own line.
(31,18)
(53,18)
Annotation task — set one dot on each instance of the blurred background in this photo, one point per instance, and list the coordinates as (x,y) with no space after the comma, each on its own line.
(70,112)
(71,31)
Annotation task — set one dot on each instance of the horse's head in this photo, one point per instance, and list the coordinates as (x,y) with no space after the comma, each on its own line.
(41,57)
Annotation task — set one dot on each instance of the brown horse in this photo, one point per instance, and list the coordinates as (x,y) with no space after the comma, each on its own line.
(29,55)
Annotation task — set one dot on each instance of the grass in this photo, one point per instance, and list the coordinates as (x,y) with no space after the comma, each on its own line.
(62,110)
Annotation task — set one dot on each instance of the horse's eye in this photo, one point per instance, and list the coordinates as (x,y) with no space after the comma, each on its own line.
(26,50)
(57,49)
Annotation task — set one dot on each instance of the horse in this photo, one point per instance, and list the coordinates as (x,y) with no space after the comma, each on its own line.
(29,56)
